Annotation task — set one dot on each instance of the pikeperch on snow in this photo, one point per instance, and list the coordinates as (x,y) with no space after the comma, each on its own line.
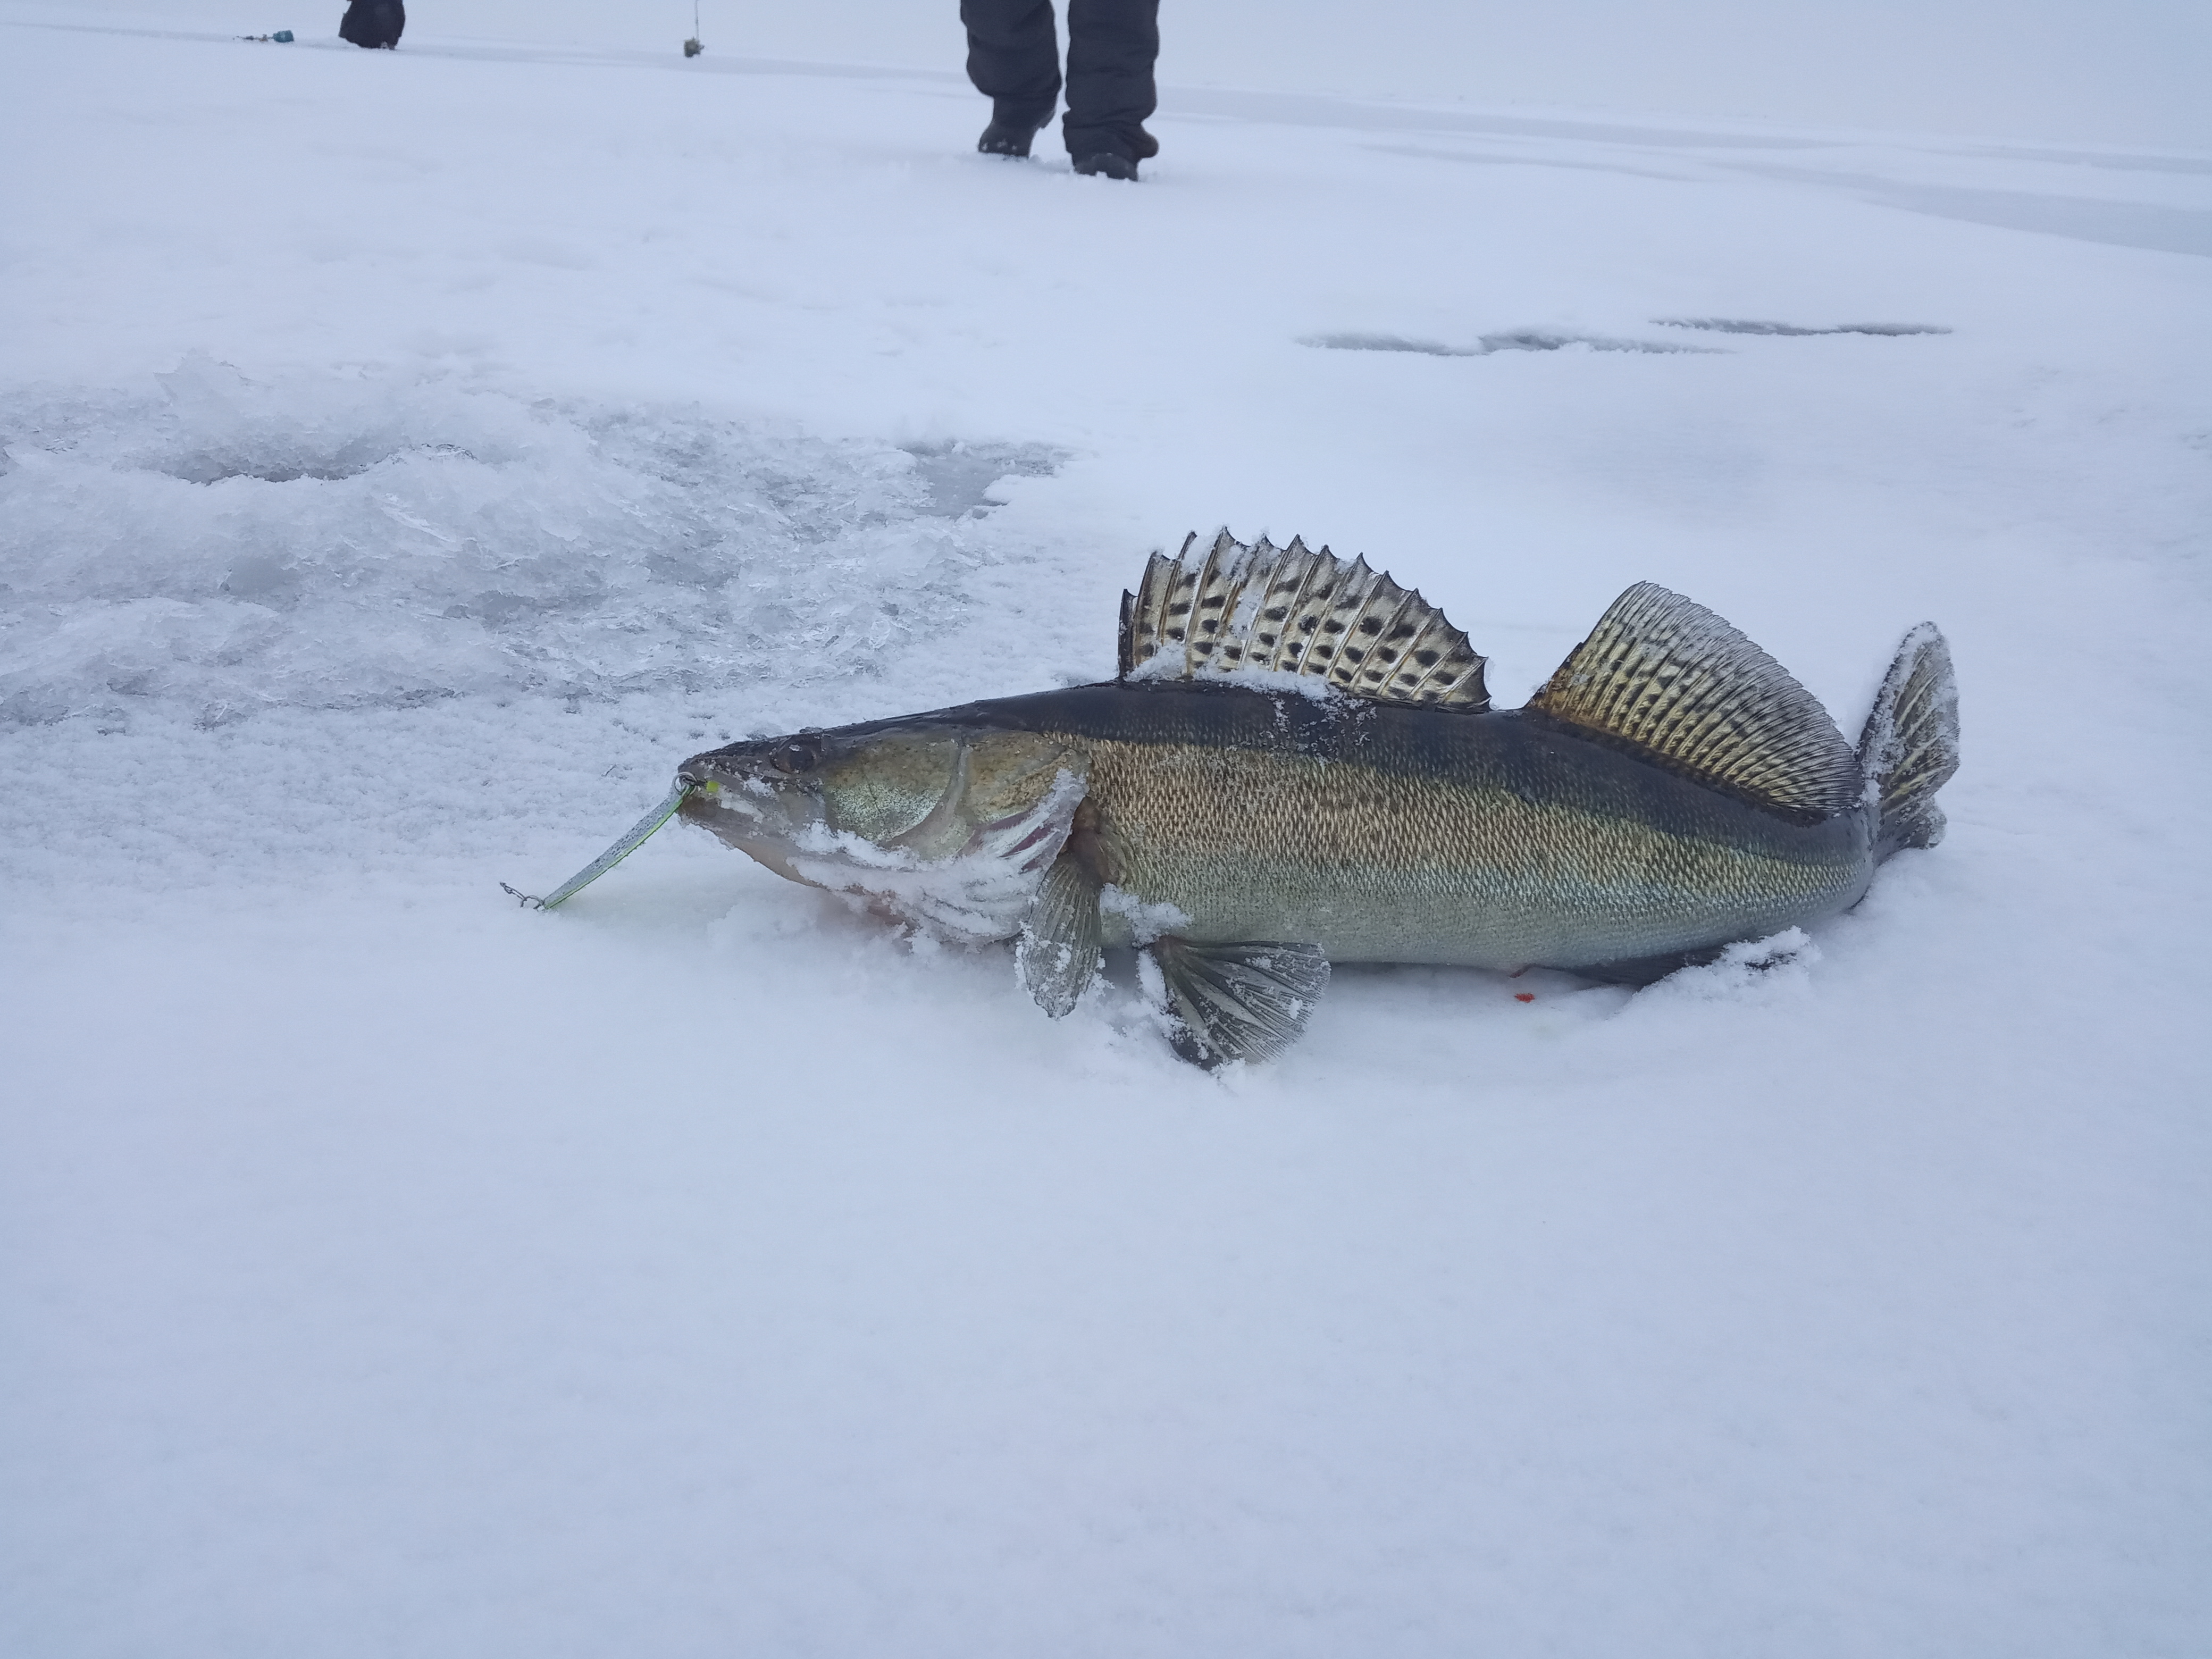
(1298,763)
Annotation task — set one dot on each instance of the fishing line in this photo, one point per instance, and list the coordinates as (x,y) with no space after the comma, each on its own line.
(692,47)
(640,833)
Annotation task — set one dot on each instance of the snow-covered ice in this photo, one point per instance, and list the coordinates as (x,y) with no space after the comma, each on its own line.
(406,459)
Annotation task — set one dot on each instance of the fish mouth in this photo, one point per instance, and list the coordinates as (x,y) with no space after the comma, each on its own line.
(741,817)
(711,790)
(725,780)
(757,765)
(745,801)
(714,768)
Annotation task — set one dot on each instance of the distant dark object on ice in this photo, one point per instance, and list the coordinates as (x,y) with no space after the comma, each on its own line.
(372,23)
(692,47)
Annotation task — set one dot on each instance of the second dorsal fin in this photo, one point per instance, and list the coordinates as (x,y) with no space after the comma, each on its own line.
(1292,610)
(1663,675)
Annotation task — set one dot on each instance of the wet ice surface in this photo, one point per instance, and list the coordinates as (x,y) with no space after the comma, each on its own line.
(227,545)
(960,477)
(410,457)
(1796,330)
(1526,339)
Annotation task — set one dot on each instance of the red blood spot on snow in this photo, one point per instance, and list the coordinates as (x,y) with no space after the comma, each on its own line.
(1524,996)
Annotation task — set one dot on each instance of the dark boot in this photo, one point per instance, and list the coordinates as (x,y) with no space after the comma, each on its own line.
(1106,165)
(1010,135)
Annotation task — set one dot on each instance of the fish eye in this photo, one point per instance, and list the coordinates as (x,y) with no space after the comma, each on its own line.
(799,755)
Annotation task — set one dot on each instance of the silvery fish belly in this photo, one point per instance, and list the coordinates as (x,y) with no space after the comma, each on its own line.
(1298,763)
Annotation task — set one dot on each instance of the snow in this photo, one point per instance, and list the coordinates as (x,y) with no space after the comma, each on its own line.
(323,542)
(410,457)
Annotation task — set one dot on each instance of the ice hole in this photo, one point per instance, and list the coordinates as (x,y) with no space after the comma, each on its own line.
(959,477)
(311,541)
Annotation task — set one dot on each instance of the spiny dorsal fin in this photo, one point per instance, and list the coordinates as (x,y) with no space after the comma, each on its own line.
(1667,677)
(1292,610)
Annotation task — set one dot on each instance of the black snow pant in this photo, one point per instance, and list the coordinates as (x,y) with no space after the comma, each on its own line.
(373,23)
(1013,58)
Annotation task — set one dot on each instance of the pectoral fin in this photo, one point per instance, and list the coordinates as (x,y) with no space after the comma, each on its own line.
(1234,1002)
(1059,950)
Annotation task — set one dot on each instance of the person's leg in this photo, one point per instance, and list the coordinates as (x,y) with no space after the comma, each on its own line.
(373,23)
(1111,48)
(1013,58)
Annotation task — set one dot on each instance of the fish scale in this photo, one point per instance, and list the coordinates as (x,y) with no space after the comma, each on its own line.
(1380,838)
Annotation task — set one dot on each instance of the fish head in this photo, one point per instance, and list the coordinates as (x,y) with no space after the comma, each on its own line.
(949,824)
(806,787)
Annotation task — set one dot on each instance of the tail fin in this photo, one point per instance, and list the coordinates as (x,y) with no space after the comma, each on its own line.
(1910,748)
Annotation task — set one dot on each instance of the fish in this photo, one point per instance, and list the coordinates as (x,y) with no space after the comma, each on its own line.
(1298,763)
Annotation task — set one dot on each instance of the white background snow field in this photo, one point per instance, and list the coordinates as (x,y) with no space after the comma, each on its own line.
(407,459)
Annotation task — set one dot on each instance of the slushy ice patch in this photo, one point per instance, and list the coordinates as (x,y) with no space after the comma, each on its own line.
(961,477)
(319,542)
(1519,339)
(1793,330)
